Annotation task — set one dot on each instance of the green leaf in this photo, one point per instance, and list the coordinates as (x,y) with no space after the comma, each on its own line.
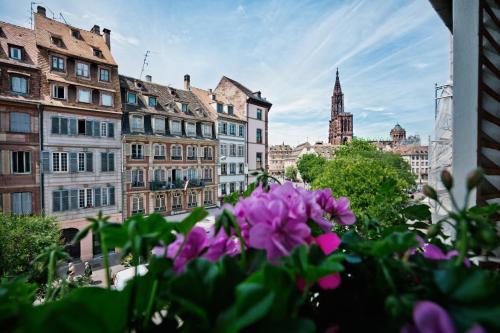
(253,302)
(417,212)
(188,223)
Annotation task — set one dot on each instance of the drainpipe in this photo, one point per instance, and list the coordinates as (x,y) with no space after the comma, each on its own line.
(247,144)
(39,108)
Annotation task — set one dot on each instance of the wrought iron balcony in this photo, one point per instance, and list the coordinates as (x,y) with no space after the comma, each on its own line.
(178,184)
(176,158)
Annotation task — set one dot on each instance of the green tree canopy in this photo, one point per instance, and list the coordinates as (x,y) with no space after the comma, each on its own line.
(291,173)
(22,239)
(377,183)
(309,166)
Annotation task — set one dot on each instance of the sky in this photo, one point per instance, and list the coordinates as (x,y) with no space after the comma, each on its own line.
(389,54)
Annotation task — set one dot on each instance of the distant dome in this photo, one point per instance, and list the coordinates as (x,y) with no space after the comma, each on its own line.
(398,128)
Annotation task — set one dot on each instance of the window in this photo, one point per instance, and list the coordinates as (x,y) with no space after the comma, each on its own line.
(232,129)
(104,129)
(223,169)
(191,129)
(159,175)
(220,107)
(60,162)
(107,162)
(108,196)
(84,95)
(137,205)
(207,174)
(191,153)
(232,187)
(137,151)
(97,53)
(106,99)
(258,158)
(242,168)
(184,107)
(152,101)
(176,153)
(137,123)
(242,130)
(192,174)
(85,198)
(16,52)
(82,162)
(57,41)
(58,91)
(82,69)
(230,110)
(19,122)
(21,162)
(207,153)
(159,152)
(176,201)
(159,125)
(176,127)
(241,149)
(61,200)
(232,149)
(232,168)
(223,189)
(57,64)
(223,150)
(131,98)
(207,195)
(21,203)
(19,84)
(206,130)
(75,33)
(242,186)
(137,178)
(222,128)
(81,126)
(259,114)
(192,199)
(160,202)
(259,135)
(104,75)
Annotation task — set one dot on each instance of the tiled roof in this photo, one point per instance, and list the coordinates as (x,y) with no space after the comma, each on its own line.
(19,36)
(46,28)
(167,99)
(250,94)
(204,97)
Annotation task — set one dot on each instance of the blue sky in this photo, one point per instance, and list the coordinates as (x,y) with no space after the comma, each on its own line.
(389,54)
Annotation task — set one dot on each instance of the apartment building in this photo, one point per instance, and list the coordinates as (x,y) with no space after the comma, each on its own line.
(170,149)
(19,117)
(231,130)
(277,156)
(255,109)
(80,127)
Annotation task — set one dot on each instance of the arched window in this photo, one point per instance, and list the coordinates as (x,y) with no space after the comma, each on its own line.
(137,204)
(192,202)
(176,152)
(207,174)
(191,152)
(159,151)
(159,175)
(207,153)
(176,201)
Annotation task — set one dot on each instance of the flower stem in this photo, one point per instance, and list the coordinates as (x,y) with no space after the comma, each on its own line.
(51,273)
(149,308)
(463,241)
(104,248)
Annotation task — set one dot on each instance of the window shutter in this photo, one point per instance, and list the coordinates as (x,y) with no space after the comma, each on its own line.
(65,200)
(147,149)
(73,199)
(111,196)
(56,201)
(88,127)
(64,126)
(111,162)
(128,149)
(111,130)
(104,162)
(97,197)
(97,128)
(26,203)
(55,125)
(73,162)
(17,203)
(72,126)
(128,176)
(45,161)
(89,162)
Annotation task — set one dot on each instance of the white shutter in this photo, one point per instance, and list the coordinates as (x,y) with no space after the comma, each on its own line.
(128,176)
(151,174)
(219,170)
(147,149)
(128,149)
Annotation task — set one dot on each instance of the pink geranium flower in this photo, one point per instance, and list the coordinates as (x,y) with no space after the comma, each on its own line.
(328,242)
(433,252)
(341,212)
(220,245)
(195,244)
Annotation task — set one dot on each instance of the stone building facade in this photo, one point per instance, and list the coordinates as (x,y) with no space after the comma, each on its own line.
(169,149)
(19,118)
(277,155)
(341,124)
(231,129)
(80,128)
(255,109)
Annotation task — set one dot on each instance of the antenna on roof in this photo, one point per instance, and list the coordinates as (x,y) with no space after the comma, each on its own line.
(32,11)
(144,63)
(53,14)
(61,15)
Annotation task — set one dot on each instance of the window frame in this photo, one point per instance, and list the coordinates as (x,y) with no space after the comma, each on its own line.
(172,127)
(111,95)
(16,47)
(155,120)
(130,93)
(137,146)
(57,69)
(26,162)
(80,89)
(258,114)
(29,130)
(59,159)
(188,133)
(79,62)
(22,78)
(149,101)
(103,68)
(53,90)
(258,136)
(135,129)
(206,126)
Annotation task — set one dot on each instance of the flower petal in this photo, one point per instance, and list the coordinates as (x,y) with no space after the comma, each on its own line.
(429,317)
(328,242)
(331,281)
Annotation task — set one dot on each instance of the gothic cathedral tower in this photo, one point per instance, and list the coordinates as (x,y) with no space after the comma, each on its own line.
(340,130)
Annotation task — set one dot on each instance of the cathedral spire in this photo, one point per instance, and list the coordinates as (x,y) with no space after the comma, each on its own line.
(337,88)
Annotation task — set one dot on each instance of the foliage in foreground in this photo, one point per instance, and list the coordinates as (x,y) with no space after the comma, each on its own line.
(309,166)
(271,263)
(377,183)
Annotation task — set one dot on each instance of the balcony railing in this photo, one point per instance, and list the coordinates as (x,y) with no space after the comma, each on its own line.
(160,209)
(207,158)
(191,158)
(163,185)
(207,180)
(177,207)
(192,204)
(207,202)
(176,158)
(137,184)
(159,157)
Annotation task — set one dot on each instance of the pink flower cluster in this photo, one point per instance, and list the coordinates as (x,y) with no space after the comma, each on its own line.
(275,221)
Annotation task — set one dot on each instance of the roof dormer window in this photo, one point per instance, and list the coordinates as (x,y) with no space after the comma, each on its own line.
(220,107)
(57,41)
(184,107)
(97,53)
(76,34)
(16,52)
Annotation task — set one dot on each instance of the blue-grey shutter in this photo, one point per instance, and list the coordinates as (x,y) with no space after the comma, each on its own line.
(72,126)
(111,130)
(56,201)
(104,162)
(88,127)
(73,199)
(111,191)
(55,125)
(111,162)
(73,162)
(90,167)
(27,203)
(17,203)
(97,197)
(97,128)
(64,126)
(45,161)
(65,200)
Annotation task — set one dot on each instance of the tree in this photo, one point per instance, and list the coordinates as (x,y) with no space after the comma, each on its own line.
(291,173)
(309,166)
(22,239)
(377,183)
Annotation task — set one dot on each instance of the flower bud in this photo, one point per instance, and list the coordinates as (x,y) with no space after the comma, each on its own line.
(474,178)
(430,192)
(433,230)
(447,179)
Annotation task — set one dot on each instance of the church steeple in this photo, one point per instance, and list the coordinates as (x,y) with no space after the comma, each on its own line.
(337,97)
(337,88)
(341,129)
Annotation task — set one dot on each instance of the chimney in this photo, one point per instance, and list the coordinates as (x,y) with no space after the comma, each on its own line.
(96,29)
(148,78)
(41,10)
(107,37)
(258,94)
(211,93)
(187,82)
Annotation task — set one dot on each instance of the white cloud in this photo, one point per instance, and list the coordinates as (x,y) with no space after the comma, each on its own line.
(374,108)
(124,40)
